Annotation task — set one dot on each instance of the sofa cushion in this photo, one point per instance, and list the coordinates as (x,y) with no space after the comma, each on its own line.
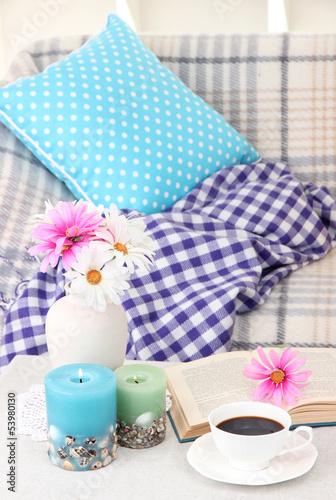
(117,126)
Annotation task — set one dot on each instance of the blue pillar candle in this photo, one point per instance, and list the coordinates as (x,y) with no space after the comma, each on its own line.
(81,402)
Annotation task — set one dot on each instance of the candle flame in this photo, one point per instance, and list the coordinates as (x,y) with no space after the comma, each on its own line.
(80,374)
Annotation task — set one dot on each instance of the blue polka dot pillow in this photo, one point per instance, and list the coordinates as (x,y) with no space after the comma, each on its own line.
(117,126)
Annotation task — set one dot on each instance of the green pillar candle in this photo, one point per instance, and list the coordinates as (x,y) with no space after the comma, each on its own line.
(141,394)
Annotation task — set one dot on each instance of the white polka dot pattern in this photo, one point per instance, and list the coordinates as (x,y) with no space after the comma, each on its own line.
(117,126)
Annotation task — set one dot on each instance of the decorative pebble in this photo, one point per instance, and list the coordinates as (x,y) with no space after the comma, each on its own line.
(107,460)
(52,432)
(67,465)
(145,420)
(104,442)
(104,453)
(139,437)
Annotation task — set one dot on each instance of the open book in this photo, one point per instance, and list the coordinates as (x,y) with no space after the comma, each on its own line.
(200,386)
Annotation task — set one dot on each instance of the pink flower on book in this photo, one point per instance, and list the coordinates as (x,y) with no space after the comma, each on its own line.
(64,231)
(280,376)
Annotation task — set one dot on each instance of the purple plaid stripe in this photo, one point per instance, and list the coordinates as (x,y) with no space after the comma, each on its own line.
(219,251)
(25,320)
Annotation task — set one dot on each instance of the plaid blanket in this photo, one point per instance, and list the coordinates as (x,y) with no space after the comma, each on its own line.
(219,251)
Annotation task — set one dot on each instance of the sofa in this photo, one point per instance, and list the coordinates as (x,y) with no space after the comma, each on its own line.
(279,92)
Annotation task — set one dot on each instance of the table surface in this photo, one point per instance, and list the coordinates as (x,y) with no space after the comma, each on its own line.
(161,472)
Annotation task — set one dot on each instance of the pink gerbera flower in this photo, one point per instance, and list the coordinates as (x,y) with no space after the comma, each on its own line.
(279,376)
(64,230)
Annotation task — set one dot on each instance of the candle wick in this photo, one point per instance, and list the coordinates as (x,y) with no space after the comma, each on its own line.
(136,381)
(80,381)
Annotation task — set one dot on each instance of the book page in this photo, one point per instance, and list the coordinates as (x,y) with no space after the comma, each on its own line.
(322,382)
(203,385)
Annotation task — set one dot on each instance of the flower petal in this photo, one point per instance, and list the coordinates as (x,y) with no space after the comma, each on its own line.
(263,357)
(295,365)
(277,395)
(288,393)
(256,363)
(57,219)
(270,394)
(274,358)
(293,389)
(299,377)
(261,391)
(45,262)
(67,209)
(286,357)
(68,258)
(254,375)
(41,247)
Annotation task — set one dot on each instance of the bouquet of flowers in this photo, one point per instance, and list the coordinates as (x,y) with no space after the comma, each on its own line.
(100,248)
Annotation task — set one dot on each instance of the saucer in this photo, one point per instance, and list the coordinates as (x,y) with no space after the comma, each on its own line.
(204,457)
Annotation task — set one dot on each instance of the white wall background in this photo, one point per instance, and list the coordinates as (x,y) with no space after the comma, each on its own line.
(24,20)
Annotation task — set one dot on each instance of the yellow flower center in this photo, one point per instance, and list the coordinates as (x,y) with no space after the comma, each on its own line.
(94,277)
(67,232)
(121,248)
(277,376)
(66,247)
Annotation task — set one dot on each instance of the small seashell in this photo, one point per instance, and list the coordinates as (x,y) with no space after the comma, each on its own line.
(84,461)
(112,429)
(107,460)
(90,440)
(61,453)
(114,456)
(53,432)
(96,465)
(69,440)
(67,465)
(145,420)
(104,442)
(51,447)
(104,453)
(78,452)
(92,453)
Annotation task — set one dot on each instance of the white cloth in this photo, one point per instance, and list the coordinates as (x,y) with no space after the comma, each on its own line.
(32,417)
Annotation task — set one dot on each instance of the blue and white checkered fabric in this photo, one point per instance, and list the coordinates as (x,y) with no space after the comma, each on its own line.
(219,251)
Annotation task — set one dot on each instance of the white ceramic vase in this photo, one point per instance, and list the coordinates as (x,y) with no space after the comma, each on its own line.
(79,335)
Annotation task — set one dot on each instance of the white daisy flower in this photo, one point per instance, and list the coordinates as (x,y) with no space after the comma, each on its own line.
(97,279)
(125,240)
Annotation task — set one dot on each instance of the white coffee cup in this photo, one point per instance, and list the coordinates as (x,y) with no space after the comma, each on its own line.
(253,452)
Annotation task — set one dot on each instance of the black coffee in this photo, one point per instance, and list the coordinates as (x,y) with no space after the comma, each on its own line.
(250,426)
